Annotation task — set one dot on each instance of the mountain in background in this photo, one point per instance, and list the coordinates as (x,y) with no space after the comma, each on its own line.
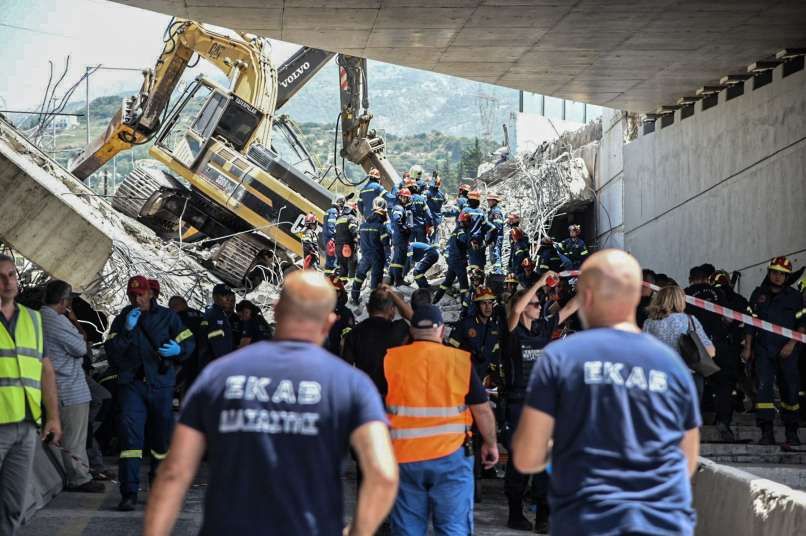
(407,101)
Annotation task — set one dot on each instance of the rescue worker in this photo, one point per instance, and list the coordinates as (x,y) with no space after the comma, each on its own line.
(509,287)
(518,245)
(775,355)
(345,240)
(29,382)
(375,250)
(727,339)
(401,222)
(145,343)
(345,320)
(573,249)
(479,335)
(528,333)
(371,190)
(416,175)
(422,220)
(433,398)
(310,243)
(458,245)
(422,257)
(481,231)
(475,277)
(217,325)
(329,233)
(460,203)
(192,319)
(496,217)
(547,257)
(435,198)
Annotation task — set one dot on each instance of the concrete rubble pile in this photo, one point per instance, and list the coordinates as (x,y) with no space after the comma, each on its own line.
(68,231)
(557,177)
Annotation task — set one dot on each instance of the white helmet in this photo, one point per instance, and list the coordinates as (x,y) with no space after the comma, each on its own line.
(379,203)
(416,171)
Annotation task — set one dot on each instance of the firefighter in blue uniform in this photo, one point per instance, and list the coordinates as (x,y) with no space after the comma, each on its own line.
(400,222)
(371,190)
(422,256)
(478,334)
(145,343)
(454,210)
(435,198)
(496,218)
(573,250)
(310,243)
(329,233)
(345,240)
(529,273)
(374,243)
(548,258)
(482,232)
(774,355)
(422,221)
(217,326)
(458,245)
(475,277)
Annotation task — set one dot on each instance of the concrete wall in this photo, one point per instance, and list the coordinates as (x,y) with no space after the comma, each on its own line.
(732,501)
(726,185)
(609,182)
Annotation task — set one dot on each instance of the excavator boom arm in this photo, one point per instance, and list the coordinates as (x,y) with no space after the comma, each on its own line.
(243,59)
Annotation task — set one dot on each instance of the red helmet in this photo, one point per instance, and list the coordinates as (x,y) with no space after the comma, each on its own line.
(464,188)
(138,284)
(464,217)
(515,234)
(475,194)
(484,294)
(527,263)
(404,192)
(493,197)
(780,264)
(310,218)
(514,218)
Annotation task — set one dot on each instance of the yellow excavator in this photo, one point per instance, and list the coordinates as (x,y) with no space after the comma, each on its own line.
(234,176)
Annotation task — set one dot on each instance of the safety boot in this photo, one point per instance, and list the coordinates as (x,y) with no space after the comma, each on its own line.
(127,502)
(542,518)
(792,438)
(767,435)
(516,519)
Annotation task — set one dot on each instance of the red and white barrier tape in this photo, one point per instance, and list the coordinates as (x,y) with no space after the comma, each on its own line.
(727,313)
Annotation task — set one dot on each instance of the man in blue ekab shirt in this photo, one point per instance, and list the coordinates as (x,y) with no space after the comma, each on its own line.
(621,409)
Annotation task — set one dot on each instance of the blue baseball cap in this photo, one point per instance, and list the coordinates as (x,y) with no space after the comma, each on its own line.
(426,317)
(222,290)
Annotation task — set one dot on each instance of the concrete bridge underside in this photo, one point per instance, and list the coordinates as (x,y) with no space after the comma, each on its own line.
(626,54)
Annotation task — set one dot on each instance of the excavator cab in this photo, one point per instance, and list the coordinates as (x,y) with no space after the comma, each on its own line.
(207,111)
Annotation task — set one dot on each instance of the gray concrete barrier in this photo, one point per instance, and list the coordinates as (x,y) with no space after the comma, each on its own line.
(734,502)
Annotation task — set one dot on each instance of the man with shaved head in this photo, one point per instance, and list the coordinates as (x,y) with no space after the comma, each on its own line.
(614,412)
(276,419)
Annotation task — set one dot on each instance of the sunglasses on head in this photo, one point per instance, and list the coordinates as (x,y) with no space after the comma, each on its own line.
(534,304)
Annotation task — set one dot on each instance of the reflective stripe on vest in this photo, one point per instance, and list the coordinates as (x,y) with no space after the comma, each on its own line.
(21,368)
(428,383)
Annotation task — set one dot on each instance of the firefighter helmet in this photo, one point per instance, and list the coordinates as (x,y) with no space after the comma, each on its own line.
(493,197)
(464,217)
(340,201)
(484,294)
(574,228)
(511,279)
(464,188)
(404,192)
(475,194)
(721,278)
(310,218)
(780,264)
(416,171)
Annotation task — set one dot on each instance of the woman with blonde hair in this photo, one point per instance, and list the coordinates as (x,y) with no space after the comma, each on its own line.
(668,322)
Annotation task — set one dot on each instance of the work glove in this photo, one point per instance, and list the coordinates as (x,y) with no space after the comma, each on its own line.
(170,349)
(132,318)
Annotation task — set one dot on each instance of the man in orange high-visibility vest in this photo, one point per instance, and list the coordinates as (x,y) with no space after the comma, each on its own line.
(433,399)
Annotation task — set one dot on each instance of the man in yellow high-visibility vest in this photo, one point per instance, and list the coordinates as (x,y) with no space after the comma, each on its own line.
(27,380)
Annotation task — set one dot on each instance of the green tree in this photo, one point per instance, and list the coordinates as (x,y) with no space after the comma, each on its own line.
(471,158)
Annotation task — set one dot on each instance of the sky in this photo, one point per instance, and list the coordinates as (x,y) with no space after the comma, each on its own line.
(91,32)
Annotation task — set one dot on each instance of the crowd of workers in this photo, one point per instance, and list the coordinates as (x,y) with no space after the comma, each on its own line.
(275,419)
